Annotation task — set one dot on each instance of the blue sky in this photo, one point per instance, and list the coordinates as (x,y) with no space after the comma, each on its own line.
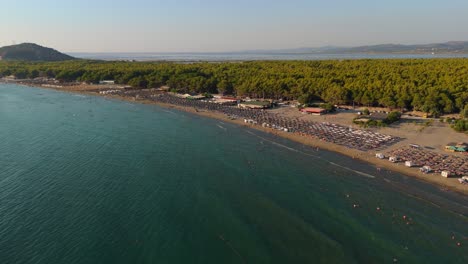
(209,25)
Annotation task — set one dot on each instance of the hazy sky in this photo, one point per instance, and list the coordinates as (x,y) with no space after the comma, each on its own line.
(217,25)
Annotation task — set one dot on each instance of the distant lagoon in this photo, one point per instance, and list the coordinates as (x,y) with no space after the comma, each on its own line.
(250,56)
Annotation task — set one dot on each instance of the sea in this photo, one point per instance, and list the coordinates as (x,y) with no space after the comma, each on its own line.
(87,179)
(252,56)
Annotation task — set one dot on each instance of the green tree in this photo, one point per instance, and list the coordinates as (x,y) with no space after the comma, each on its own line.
(464,112)
(139,82)
(392,117)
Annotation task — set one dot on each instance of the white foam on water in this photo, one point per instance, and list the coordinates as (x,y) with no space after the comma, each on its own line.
(355,171)
(170,112)
(315,156)
(223,128)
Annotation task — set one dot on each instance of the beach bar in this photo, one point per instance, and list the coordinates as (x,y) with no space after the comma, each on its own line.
(255,105)
(224,100)
(108,82)
(313,110)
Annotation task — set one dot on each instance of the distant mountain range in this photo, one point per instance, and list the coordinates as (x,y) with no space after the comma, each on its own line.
(452,47)
(32,52)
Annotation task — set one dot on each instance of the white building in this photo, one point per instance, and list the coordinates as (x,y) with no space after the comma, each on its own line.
(108,82)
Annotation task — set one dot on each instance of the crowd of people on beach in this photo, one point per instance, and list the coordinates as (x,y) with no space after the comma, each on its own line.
(337,134)
(419,157)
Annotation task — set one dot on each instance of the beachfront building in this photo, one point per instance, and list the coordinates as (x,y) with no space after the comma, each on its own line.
(107,82)
(190,96)
(409,163)
(313,110)
(196,97)
(254,105)
(184,96)
(164,88)
(224,100)
(393,159)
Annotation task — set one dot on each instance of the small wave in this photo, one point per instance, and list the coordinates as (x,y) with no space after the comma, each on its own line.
(308,154)
(223,128)
(283,146)
(355,171)
(170,112)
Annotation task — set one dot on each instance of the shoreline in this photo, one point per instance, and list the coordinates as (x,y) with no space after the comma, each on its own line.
(446,184)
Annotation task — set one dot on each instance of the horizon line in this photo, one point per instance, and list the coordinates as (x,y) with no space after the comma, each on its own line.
(274,49)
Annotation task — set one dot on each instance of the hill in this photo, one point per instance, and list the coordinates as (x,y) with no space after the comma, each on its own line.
(451,47)
(32,52)
(448,47)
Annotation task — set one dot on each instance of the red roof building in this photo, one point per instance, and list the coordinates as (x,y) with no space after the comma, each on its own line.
(228,98)
(313,110)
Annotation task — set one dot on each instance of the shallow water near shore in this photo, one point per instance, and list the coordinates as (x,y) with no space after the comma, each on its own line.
(87,179)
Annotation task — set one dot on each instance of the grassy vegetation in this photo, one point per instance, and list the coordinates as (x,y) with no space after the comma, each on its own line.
(461,125)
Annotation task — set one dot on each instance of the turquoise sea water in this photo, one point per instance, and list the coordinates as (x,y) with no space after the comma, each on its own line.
(90,180)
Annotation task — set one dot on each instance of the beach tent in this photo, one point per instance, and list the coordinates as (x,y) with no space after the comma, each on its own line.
(425,169)
(445,174)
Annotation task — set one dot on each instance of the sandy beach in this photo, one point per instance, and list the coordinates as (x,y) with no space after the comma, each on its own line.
(434,134)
